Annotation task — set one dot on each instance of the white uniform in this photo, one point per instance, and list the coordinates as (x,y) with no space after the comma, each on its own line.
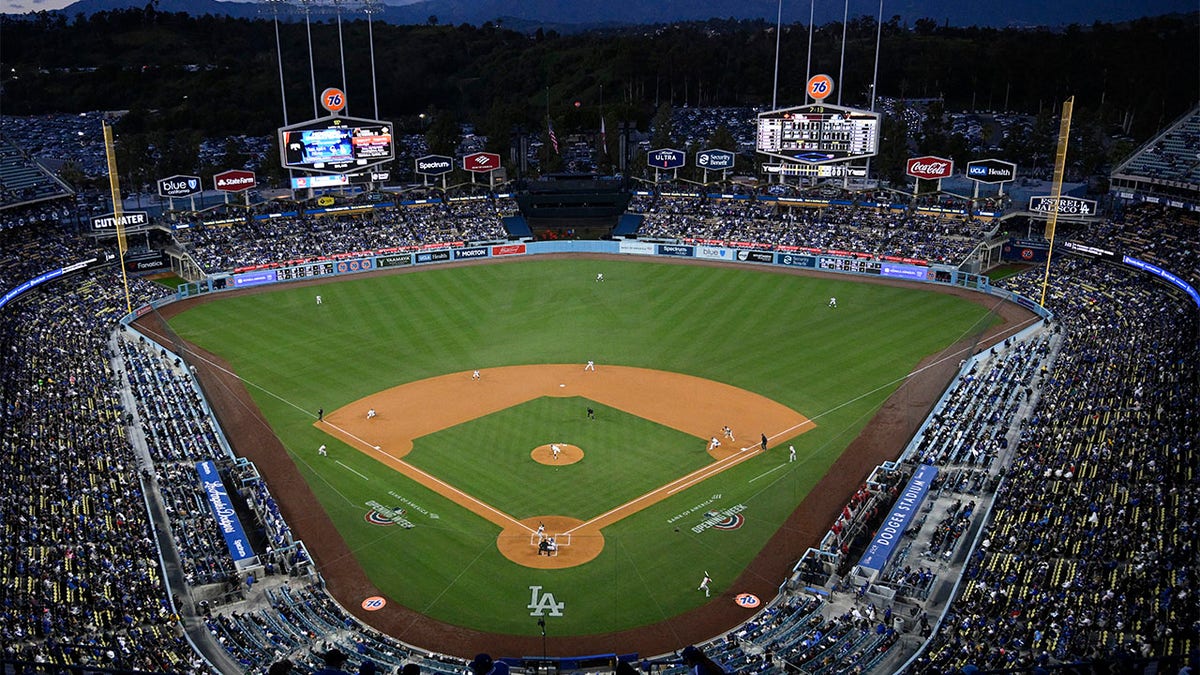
(371,413)
(554,450)
(714,443)
(791,453)
(475,375)
(591,365)
(833,302)
(600,276)
(322,451)
(319,300)
(704,584)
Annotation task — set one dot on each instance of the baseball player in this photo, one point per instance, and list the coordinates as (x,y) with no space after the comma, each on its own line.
(728,432)
(714,443)
(319,300)
(833,302)
(554,450)
(600,276)
(704,584)
(475,375)
(541,532)
(791,453)
(322,451)
(591,365)
(371,414)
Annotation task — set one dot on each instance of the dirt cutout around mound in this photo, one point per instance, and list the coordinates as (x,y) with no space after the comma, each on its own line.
(384,425)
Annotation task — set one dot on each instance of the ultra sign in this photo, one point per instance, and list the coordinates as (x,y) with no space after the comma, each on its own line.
(666,158)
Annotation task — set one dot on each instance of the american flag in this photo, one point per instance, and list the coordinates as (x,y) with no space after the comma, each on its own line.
(553,137)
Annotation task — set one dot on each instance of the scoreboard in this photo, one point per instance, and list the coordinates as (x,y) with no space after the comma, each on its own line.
(818,134)
(318,269)
(336,145)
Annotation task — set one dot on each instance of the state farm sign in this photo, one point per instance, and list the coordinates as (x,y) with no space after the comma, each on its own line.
(481,162)
(234,180)
(930,167)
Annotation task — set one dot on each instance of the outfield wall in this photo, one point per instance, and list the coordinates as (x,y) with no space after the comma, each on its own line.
(838,262)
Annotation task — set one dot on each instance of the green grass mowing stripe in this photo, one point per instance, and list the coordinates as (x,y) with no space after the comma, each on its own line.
(768,333)
(625,457)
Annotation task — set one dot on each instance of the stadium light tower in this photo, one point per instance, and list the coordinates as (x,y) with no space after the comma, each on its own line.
(372,7)
(274,7)
(842,61)
(312,71)
(337,7)
(778,30)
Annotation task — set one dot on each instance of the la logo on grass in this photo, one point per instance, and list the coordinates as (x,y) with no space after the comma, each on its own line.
(544,603)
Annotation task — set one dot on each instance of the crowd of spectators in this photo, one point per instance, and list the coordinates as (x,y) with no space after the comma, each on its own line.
(1171,156)
(1088,555)
(771,224)
(1156,234)
(262,241)
(1090,552)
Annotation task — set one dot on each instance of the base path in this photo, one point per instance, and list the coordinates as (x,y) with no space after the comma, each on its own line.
(898,419)
(384,425)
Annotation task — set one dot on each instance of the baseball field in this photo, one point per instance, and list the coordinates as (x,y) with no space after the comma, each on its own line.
(437,480)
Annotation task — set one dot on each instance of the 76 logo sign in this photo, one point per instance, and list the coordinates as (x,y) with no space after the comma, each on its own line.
(333,99)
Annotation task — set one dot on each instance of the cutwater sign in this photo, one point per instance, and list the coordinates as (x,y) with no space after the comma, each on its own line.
(179,186)
(666,158)
(223,513)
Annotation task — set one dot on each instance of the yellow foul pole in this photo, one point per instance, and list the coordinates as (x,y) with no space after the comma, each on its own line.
(118,216)
(1060,164)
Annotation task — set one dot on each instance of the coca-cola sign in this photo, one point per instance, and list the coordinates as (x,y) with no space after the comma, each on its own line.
(930,167)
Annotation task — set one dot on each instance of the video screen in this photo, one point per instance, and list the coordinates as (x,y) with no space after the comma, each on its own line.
(319,146)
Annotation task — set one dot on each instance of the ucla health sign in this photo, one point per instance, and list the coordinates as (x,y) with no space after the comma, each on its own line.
(884,543)
(223,513)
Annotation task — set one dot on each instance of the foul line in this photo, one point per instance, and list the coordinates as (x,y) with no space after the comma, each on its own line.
(351,470)
(766,473)
(437,484)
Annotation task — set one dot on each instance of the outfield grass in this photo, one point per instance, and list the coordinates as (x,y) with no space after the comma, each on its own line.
(766,332)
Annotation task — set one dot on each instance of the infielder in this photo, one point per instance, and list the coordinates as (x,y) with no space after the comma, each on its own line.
(728,432)
(714,443)
(591,365)
(475,375)
(371,414)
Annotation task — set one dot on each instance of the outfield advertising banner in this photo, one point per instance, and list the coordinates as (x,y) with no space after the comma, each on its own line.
(223,513)
(254,278)
(755,256)
(884,543)
(636,247)
(433,256)
(904,271)
(676,250)
(714,253)
(508,249)
(396,260)
(467,253)
(796,260)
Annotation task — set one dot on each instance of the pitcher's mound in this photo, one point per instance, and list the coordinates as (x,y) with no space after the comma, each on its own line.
(567,454)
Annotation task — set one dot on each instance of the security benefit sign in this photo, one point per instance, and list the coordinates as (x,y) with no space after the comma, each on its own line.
(223,512)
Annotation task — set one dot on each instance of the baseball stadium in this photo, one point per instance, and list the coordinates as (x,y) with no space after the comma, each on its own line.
(657,421)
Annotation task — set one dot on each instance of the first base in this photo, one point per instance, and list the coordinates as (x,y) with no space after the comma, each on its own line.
(377,447)
(562,385)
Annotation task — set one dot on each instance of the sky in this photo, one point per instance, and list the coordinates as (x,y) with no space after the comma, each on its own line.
(959,12)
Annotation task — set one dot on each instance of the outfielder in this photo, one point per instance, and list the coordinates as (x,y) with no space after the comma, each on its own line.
(704,584)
